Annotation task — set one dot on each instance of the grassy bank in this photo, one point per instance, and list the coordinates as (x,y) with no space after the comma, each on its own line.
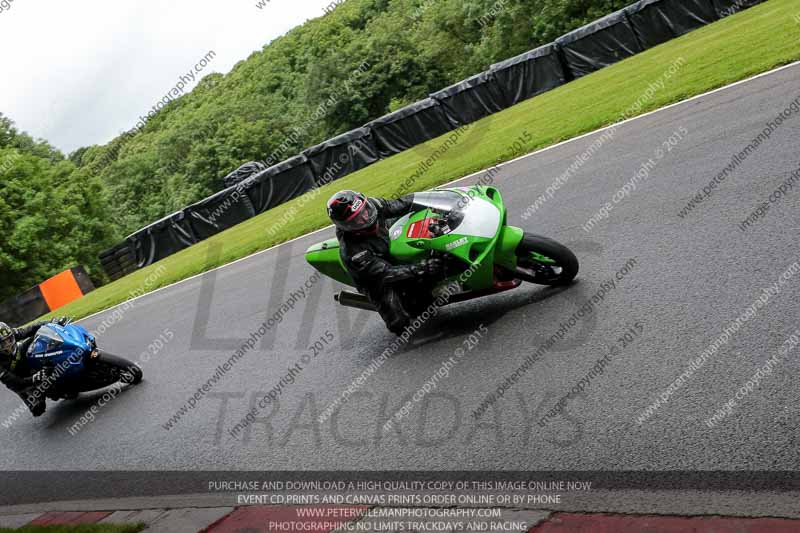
(732,49)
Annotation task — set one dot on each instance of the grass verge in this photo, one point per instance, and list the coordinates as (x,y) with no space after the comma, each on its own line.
(732,49)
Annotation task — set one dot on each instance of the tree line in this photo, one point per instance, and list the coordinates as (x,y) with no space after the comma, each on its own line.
(57,211)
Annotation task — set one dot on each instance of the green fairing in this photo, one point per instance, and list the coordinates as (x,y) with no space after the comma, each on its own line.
(506,247)
(324,256)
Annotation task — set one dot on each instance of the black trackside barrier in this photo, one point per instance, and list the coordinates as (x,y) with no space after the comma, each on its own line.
(279,183)
(730,7)
(220,211)
(23,308)
(599,44)
(471,99)
(529,74)
(243,172)
(161,239)
(658,21)
(111,252)
(142,247)
(83,280)
(410,126)
(342,155)
(255,189)
(117,271)
(118,261)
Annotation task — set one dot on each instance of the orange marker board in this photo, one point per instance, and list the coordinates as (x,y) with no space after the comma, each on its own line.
(60,290)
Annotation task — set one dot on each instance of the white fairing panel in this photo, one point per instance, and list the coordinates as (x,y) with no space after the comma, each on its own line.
(481,219)
(397,228)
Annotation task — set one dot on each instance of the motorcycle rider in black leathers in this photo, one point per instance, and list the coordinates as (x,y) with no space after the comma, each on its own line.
(14,371)
(362,228)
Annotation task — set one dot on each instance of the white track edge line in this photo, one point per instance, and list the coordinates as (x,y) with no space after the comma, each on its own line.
(499,165)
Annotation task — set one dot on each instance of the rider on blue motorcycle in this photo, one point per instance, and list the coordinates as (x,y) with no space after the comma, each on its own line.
(14,372)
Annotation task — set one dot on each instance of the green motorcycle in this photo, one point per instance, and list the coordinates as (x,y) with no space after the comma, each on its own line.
(467,227)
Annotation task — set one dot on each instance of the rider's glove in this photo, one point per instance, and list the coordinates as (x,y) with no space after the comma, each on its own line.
(40,377)
(432,268)
(61,321)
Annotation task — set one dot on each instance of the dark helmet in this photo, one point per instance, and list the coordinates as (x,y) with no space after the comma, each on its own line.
(7,338)
(352,211)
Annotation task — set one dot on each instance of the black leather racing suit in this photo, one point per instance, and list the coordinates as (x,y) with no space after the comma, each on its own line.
(366,257)
(15,373)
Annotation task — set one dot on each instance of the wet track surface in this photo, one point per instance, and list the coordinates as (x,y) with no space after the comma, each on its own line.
(689,278)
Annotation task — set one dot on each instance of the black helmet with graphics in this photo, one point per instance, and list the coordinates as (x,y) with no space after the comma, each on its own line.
(7,338)
(352,211)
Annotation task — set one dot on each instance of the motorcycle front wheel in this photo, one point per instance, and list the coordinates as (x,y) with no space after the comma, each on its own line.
(544,261)
(107,369)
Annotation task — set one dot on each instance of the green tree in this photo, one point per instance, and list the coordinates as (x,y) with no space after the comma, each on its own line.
(296,91)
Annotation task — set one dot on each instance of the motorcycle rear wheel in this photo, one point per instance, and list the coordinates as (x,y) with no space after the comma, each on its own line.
(544,261)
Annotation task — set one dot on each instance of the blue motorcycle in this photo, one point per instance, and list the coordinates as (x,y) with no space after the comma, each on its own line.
(69,356)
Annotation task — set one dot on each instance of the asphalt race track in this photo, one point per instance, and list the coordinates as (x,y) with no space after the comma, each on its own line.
(690,277)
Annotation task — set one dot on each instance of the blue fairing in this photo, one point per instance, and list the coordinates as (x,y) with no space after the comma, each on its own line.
(62,349)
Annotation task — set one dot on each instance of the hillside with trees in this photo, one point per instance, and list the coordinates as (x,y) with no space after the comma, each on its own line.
(334,73)
(53,215)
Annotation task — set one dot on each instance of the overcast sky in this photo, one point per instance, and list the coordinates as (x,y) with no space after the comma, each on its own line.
(80,72)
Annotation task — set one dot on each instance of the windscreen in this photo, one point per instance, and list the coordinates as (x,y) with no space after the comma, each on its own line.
(441,201)
(447,204)
(47,339)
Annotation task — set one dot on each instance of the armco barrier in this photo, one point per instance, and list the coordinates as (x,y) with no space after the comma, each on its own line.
(48,296)
(342,155)
(161,239)
(729,7)
(471,99)
(242,173)
(410,126)
(220,211)
(658,21)
(599,44)
(526,75)
(621,34)
(280,183)
(118,261)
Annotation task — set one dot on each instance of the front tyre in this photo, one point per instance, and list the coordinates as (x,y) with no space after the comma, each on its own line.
(108,369)
(544,261)
(129,373)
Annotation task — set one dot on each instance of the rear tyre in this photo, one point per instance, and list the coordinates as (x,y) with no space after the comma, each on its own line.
(544,261)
